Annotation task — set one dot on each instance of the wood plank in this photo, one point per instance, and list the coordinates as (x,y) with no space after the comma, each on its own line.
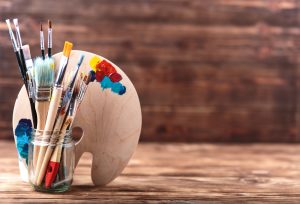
(176,173)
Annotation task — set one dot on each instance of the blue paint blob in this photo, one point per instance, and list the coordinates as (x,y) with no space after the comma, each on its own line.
(23,134)
(115,87)
(123,90)
(106,83)
(93,75)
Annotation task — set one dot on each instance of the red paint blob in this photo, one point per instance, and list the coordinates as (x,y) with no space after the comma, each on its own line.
(99,75)
(106,67)
(115,77)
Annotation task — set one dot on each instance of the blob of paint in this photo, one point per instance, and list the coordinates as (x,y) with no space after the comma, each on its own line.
(115,87)
(23,134)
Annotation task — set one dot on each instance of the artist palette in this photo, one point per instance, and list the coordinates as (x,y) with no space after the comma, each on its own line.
(110,122)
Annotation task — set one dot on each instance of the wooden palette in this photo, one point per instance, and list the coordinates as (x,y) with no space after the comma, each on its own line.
(111,123)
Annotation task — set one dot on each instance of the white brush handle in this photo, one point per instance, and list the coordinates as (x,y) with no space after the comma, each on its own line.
(54,104)
(41,108)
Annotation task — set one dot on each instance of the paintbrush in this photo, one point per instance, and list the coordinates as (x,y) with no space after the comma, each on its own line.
(49,38)
(22,66)
(29,68)
(42,42)
(19,41)
(44,80)
(53,109)
(16,51)
(53,165)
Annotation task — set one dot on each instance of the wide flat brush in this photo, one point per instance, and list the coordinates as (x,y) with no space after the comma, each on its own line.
(53,109)
(44,81)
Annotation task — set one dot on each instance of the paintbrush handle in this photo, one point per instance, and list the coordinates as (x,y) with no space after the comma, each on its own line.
(23,60)
(44,164)
(41,108)
(42,111)
(23,73)
(49,52)
(54,104)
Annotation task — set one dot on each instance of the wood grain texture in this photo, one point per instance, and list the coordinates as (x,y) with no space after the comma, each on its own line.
(175,173)
(204,70)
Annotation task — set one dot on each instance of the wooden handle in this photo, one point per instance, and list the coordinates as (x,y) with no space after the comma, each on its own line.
(41,108)
(44,164)
(54,104)
(57,151)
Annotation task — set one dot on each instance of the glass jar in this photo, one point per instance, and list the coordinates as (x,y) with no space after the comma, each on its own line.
(51,160)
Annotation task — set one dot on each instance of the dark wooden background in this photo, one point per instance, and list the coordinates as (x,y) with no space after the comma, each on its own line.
(205,71)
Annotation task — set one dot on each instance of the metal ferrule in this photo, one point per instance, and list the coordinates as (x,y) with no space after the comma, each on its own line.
(42,40)
(19,40)
(71,108)
(29,64)
(13,40)
(49,37)
(43,93)
(30,85)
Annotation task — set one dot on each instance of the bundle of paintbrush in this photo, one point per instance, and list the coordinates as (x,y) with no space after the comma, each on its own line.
(54,100)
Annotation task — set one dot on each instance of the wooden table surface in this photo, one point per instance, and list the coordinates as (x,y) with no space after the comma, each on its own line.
(179,173)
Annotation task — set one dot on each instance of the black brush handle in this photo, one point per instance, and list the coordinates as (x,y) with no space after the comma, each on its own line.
(23,61)
(23,72)
(33,113)
(49,52)
(43,54)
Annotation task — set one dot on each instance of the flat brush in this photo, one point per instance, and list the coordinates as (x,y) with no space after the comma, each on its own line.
(53,109)
(54,163)
(49,38)
(42,42)
(44,80)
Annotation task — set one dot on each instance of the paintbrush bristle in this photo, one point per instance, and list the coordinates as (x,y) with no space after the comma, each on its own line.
(44,72)
(15,21)
(8,25)
(41,27)
(67,48)
(49,24)
(26,51)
